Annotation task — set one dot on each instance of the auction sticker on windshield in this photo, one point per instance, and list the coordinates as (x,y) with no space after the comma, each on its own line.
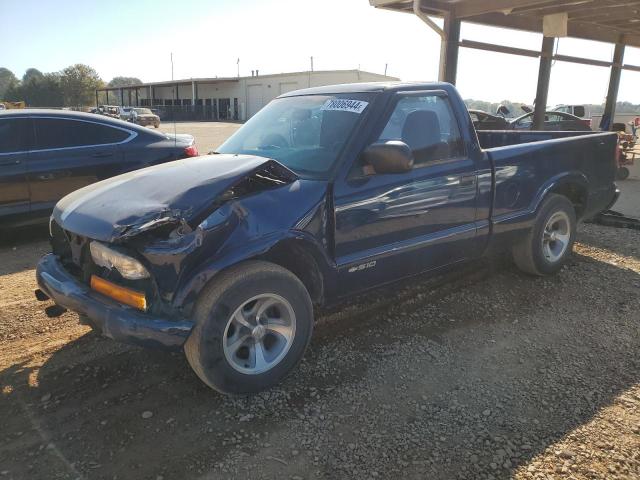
(345,105)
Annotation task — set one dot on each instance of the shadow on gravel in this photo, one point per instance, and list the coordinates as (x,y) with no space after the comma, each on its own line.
(489,385)
(23,236)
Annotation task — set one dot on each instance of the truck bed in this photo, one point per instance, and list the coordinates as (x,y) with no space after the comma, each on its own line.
(527,165)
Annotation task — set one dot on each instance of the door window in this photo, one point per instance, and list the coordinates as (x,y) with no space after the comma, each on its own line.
(428,125)
(63,133)
(14,135)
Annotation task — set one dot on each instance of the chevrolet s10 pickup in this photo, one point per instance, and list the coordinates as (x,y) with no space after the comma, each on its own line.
(325,193)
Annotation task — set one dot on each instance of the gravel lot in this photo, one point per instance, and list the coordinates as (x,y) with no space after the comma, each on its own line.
(482,373)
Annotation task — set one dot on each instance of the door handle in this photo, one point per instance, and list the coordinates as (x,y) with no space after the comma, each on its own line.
(46,176)
(10,162)
(466,180)
(102,154)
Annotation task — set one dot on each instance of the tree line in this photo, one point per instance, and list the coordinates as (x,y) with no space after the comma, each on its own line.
(73,86)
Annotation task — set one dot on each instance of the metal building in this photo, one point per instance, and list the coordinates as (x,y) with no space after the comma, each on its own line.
(230,98)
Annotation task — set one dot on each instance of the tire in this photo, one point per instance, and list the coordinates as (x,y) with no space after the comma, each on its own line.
(622,173)
(545,254)
(215,349)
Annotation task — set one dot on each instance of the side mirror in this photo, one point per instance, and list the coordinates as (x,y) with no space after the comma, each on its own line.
(389,157)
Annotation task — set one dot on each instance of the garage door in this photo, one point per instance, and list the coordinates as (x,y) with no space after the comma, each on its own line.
(254,99)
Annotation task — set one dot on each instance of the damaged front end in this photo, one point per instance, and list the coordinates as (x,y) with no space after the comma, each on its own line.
(172,224)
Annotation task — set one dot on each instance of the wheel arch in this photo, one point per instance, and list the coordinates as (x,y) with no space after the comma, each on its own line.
(296,253)
(301,259)
(572,185)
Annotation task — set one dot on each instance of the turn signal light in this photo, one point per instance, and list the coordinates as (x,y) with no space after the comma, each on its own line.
(120,294)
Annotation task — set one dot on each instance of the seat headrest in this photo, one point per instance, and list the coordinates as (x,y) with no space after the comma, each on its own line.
(421,129)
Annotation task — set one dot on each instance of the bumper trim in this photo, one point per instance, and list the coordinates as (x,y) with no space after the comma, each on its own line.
(113,320)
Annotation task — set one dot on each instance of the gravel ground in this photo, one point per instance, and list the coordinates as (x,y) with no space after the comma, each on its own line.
(482,373)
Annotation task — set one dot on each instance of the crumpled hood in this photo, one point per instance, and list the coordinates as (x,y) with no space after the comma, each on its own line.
(177,192)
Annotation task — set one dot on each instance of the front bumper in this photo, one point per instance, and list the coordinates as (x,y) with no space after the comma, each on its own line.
(147,121)
(113,320)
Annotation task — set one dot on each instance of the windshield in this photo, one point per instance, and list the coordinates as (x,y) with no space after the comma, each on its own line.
(306,134)
(143,111)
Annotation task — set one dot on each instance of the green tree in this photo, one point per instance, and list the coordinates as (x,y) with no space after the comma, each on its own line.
(32,74)
(79,83)
(124,81)
(44,91)
(7,80)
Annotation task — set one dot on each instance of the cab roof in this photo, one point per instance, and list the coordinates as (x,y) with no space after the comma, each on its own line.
(366,87)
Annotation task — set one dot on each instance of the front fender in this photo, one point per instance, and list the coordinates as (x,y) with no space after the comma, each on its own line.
(189,289)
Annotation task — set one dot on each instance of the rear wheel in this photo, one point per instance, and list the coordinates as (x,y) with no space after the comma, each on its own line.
(547,247)
(253,324)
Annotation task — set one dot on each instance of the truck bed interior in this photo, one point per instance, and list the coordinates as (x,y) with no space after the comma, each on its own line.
(503,138)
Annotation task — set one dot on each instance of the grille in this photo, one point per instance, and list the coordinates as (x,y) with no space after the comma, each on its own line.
(70,248)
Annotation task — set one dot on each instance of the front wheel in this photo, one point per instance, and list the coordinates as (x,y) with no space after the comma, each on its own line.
(548,246)
(253,324)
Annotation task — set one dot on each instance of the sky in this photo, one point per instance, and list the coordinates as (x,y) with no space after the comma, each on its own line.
(136,38)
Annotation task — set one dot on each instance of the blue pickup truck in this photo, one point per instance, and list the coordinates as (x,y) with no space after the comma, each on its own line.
(325,193)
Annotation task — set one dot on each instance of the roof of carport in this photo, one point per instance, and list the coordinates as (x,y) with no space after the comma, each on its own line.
(612,21)
(170,83)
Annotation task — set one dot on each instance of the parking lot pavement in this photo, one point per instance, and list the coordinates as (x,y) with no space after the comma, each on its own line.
(208,135)
(629,201)
(485,373)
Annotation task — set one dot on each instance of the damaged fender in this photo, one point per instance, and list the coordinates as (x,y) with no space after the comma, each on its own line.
(176,193)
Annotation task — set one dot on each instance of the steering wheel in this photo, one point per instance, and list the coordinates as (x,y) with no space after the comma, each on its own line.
(273,141)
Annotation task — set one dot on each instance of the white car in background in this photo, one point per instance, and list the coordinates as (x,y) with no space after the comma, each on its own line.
(125,113)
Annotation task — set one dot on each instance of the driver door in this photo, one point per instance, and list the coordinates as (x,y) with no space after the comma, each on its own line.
(390,226)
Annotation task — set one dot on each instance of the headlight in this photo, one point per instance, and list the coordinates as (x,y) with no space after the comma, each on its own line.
(128,267)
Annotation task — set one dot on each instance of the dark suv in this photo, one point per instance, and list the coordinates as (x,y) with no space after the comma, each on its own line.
(46,154)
